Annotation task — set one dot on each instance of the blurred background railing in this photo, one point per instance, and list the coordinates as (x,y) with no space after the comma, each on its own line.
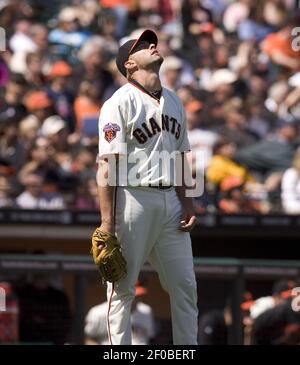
(234,255)
(236,271)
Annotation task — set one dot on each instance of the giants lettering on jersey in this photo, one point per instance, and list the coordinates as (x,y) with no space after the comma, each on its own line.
(149,130)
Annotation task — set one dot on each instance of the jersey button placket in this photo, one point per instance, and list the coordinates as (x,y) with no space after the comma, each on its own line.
(161,105)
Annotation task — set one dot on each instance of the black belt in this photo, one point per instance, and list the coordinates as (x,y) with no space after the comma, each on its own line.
(161,187)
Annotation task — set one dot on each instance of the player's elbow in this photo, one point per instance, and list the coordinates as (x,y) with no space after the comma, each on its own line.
(106,169)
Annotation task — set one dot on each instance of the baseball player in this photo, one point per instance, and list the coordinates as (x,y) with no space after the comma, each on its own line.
(150,216)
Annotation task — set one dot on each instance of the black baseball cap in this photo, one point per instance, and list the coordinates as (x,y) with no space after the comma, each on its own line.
(127,48)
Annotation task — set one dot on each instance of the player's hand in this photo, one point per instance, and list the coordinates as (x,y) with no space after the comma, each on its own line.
(107,256)
(188,221)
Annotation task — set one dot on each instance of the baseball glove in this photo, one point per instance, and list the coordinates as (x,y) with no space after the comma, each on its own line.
(108,258)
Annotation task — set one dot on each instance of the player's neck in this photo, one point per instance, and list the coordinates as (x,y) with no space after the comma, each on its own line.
(149,80)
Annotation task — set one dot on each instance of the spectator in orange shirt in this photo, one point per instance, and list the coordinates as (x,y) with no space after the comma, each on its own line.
(87,104)
(278,46)
(87,109)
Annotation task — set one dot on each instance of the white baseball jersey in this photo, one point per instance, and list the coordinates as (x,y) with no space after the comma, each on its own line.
(134,124)
(132,119)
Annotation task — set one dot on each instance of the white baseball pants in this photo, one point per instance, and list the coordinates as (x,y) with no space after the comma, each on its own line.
(147,226)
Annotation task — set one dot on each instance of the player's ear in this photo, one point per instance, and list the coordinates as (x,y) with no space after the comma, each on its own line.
(130,65)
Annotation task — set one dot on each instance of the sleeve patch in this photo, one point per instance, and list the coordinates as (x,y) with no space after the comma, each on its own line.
(110,131)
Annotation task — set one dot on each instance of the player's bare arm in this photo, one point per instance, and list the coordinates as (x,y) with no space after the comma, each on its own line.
(106,250)
(106,197)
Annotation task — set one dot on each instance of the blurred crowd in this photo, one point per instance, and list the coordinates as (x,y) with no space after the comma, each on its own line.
(273,319)
(234,64)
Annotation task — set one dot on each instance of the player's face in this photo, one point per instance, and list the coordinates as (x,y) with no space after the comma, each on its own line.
(145,55)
